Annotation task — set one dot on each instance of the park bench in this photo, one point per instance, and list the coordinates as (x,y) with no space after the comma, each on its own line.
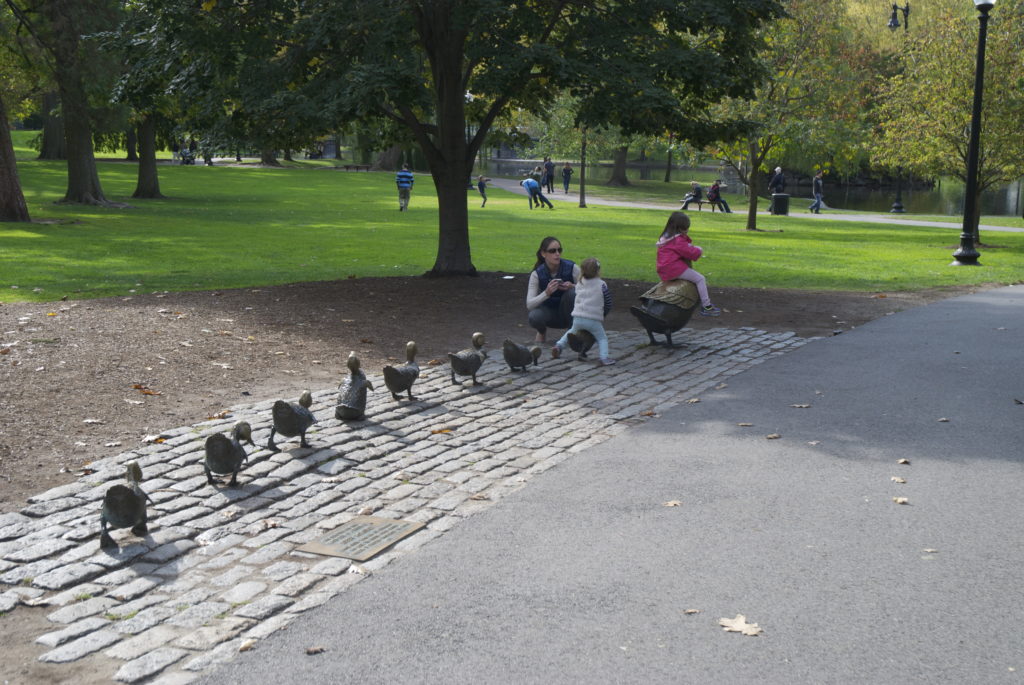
(357,167)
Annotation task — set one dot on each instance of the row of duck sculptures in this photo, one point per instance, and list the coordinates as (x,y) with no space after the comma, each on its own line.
(124,506)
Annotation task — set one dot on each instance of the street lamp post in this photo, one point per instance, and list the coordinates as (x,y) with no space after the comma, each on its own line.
(894,20)
(967,255)
(894,23)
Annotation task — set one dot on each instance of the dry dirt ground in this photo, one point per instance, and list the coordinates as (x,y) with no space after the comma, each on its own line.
(85,379)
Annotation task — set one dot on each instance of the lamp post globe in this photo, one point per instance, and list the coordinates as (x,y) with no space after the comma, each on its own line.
(967,254)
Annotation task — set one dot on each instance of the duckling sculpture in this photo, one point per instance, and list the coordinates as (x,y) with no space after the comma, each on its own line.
(518,357)
(467,362)
(581,343)
(666,308)
(124,506)
(224,455)
(399,379)
(291,419)
(352,392)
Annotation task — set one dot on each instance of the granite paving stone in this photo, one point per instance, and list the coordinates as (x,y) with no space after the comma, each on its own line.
(79,610)
(149,664)
(83,646)
(134,647)
(70,632)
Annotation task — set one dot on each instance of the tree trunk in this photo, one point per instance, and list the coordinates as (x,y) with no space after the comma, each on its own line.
(131,140)
(12,200)
(453,254)
(83,179)
(52,145)
(668,164)
(288,155)
(583,167)
(619,169)
(148,185)
(754,182)
(268,157)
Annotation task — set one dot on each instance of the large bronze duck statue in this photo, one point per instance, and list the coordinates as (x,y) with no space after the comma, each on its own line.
(291,419)
(124,506)
(666,308)
(224,455)
(467,362)
(518,357)
(399,379)
(352,392)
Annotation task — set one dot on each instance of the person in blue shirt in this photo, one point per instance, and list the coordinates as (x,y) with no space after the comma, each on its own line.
(533,193)
(404,181)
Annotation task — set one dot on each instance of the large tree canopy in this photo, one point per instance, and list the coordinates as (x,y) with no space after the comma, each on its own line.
(436,66)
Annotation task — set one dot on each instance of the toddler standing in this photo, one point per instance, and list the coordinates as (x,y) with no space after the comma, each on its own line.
(675,254)
(593,302)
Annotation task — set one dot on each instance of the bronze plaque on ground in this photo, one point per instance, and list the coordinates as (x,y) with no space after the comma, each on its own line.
(361,538)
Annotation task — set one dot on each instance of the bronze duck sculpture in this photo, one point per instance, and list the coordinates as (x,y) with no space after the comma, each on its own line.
(399,379)
(467,362)
(224,455)
(518,357)
(124,506)
(352,392)
(581,343)
(291,419)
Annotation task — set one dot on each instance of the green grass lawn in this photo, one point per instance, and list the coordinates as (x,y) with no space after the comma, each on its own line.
(224,227)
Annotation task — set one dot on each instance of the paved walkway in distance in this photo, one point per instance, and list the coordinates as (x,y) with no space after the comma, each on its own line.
(573,196)
(219,569)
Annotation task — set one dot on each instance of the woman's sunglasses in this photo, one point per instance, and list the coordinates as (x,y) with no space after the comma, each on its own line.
(554,250)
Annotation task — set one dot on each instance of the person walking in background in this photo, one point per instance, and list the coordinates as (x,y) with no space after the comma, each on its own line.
(817,188)
(593,302)
(549,175)
(715,196)
(566,175)
(676,253)
(776,184)
(481,185)
(404,181)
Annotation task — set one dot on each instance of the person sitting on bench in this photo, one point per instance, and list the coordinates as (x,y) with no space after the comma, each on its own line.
(696,194)
(715,197)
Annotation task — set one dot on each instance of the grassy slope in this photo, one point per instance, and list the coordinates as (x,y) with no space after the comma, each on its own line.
(225,227)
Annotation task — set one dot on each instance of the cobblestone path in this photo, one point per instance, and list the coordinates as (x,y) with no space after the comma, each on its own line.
(219,568)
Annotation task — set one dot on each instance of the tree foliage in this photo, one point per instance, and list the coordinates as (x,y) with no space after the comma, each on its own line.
(925,109)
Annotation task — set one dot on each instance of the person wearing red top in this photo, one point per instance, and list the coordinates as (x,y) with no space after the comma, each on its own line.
(676,253)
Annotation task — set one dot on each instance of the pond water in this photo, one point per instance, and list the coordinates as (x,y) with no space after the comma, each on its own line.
(946,198)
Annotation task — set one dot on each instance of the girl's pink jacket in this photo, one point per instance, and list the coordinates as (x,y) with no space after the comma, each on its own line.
(674,255)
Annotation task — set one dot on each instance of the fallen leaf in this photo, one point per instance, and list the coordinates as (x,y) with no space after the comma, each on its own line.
(315,650)
(903,461)
(7,350)
(51,313)
(440,430)
(901,500)
(366,341)
(480,496)
(691,612)
(943,420)
(739,625)
(721,386)
(773,436)
(897,479)
(220,415)
(693,400)
(800,406)
(745,424)
(247,645)
(672,503)
(435,362)
(880,297)
(930,551)
(649,412)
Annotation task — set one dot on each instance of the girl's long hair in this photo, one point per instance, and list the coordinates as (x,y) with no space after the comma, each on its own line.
(678,223)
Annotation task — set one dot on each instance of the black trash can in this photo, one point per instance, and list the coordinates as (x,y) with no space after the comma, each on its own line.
(780,204)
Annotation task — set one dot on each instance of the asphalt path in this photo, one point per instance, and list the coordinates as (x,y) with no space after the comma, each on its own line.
(586,576)
(899,219)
